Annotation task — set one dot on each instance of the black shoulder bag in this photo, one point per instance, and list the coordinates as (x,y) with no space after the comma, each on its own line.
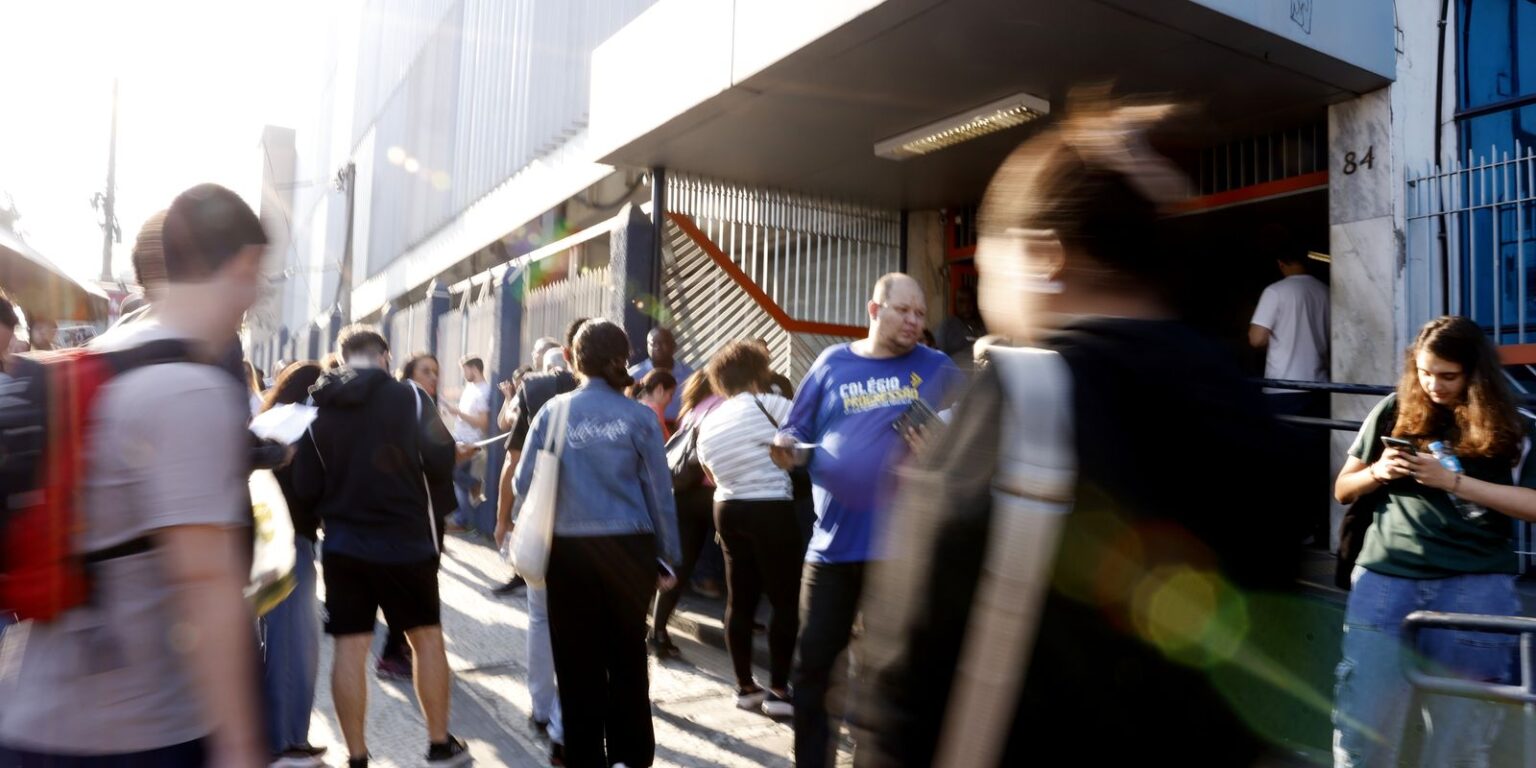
(799,477)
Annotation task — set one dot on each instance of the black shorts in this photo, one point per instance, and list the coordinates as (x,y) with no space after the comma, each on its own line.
(355,590)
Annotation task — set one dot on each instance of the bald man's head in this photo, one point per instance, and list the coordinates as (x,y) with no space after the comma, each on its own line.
(892,281)
(898,313)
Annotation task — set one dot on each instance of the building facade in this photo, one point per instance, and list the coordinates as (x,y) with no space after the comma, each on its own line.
(479,172)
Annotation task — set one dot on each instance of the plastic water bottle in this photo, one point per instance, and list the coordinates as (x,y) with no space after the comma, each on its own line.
(1448,460)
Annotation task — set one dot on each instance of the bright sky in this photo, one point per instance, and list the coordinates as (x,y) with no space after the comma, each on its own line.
(198,81)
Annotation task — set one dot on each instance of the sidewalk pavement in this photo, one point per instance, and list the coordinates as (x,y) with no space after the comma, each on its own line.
(696,720)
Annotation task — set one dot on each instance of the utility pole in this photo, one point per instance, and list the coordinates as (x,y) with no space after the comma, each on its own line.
(346,181)
(110,233)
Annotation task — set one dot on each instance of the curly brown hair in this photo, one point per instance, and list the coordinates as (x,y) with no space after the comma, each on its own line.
(1485,423)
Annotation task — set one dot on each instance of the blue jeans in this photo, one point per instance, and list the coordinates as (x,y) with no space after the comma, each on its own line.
(291,656)
(1372,695)
(464,481)
(541,666)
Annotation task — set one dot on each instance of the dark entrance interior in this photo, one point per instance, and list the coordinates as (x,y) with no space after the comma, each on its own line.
(1232,258)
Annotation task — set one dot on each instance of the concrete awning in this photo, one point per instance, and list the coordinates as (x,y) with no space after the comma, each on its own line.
(794,95)
(41,289)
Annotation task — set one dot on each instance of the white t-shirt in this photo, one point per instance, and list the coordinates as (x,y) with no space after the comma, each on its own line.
(476,401)
(1295,310)
(733,446)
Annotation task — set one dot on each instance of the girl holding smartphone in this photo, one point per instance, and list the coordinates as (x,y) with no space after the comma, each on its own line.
(1439,541)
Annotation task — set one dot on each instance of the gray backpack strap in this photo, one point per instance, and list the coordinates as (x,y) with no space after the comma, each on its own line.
(1031,495)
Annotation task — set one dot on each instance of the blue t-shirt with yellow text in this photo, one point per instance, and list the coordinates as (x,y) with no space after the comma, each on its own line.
(848,404)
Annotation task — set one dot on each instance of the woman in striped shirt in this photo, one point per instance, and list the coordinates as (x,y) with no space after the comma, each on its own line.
(755,515)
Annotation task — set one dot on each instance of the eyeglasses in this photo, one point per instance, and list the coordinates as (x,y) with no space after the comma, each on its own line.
(916,313)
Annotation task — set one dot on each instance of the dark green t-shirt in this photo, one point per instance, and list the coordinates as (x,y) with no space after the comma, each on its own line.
(1416,532)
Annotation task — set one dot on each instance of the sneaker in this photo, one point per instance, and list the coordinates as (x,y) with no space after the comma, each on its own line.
(778,707)
(557,754)
(516,583)
(750,699)
(394,668)
(663,648)
(286,760)
(357,762)
(451,752)
(299,756)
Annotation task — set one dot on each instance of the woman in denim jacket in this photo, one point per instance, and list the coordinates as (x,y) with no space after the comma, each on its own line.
(614,519)
(1438,541)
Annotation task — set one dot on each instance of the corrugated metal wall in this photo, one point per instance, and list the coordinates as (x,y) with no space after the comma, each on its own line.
(464,95)
(817,258)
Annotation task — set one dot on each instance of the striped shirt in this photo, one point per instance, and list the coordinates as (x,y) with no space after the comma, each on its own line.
(733,446)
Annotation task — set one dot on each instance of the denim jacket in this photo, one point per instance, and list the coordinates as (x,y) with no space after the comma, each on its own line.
(613,471)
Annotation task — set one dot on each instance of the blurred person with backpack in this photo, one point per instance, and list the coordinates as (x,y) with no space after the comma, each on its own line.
(149,657)
(1075,558)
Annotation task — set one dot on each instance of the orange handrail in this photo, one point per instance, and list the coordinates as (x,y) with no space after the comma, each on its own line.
(742,280)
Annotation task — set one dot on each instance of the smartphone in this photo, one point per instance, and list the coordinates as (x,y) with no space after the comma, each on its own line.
(1398,443)
(917,416)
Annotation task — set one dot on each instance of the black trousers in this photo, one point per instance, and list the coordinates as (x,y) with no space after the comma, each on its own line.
(192,754)
(829,603)
(599,590)
(695,527)
(761,541)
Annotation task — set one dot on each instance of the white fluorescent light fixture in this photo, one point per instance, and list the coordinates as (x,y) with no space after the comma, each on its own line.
(970,124)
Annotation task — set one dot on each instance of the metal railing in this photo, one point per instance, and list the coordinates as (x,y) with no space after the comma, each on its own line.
(1341,425)
(1470,244)
(1523,694)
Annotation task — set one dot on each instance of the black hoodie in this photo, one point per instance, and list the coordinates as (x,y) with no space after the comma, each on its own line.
(378,454)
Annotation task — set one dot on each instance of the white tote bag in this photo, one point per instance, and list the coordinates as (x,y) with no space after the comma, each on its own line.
(535,530)
(273,556)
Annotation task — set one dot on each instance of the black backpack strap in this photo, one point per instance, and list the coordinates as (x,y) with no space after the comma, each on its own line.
(122,361)
(152,353)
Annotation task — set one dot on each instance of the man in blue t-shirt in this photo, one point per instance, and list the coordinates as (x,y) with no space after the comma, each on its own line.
(661,345)
(848,408)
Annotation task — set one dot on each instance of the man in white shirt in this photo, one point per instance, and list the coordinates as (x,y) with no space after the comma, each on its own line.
(1291,321)
(473,415)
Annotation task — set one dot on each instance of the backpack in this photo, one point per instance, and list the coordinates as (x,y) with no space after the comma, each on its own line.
(45,415)
(1357,519)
